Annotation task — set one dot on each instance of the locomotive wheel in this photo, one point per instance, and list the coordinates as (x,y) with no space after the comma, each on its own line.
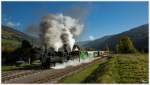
(46,65)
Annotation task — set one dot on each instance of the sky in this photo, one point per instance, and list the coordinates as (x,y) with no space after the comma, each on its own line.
(100,18)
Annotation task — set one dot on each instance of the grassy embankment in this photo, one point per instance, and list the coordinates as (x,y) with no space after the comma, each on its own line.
(122,68)
(80,76)
(35,66)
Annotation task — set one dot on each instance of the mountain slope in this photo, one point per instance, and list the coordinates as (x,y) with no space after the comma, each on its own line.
(11,38)
(95,43)
(139,35)
(10,33)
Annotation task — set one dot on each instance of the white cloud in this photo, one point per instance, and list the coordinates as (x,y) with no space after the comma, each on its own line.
(91,37)
(12,24)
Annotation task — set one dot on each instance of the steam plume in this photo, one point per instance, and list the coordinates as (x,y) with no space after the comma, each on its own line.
(57,30)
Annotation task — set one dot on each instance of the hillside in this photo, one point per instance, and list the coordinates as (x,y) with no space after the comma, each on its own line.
(13,34)
(11,38)
(139,35)
(82,43)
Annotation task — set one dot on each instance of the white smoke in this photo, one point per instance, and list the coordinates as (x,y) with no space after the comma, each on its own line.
(76,61)
(57,30)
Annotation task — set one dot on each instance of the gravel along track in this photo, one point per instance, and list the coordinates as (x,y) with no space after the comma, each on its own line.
(9,73)
(45,76)
(6,76)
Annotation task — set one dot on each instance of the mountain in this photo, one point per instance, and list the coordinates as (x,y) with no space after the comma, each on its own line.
(138,35)
(94,43)
(11,38)
(82,43)
(13,34)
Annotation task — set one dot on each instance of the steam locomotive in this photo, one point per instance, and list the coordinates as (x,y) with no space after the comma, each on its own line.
(50,57)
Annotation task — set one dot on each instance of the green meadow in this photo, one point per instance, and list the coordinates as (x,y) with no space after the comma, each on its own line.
(121,68)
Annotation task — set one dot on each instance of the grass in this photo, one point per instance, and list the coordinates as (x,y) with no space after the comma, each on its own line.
(80,76)
(9,68)
(121,68)
(21,67)
(106,72)
(9,45)
(10,42)
(126,68)
(133,68)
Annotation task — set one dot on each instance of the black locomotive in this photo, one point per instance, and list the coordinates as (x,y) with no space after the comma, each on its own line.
(50,57)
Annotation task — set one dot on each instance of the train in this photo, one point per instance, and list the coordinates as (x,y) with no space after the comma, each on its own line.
(50,57)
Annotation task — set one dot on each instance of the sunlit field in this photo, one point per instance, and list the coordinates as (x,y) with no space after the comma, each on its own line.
(121,68)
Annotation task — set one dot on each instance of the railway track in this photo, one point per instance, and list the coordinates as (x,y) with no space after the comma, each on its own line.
(52,78)
(9,73)
(6,76)
(45,76)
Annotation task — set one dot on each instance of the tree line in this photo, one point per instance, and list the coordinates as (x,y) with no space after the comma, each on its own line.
(26,52)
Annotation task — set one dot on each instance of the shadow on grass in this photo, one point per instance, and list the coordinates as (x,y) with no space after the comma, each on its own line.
(96,73)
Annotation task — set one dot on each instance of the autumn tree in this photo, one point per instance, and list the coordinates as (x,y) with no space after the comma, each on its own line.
(125,45)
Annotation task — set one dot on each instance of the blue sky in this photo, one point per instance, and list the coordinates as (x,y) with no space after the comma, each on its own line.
(100,18)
